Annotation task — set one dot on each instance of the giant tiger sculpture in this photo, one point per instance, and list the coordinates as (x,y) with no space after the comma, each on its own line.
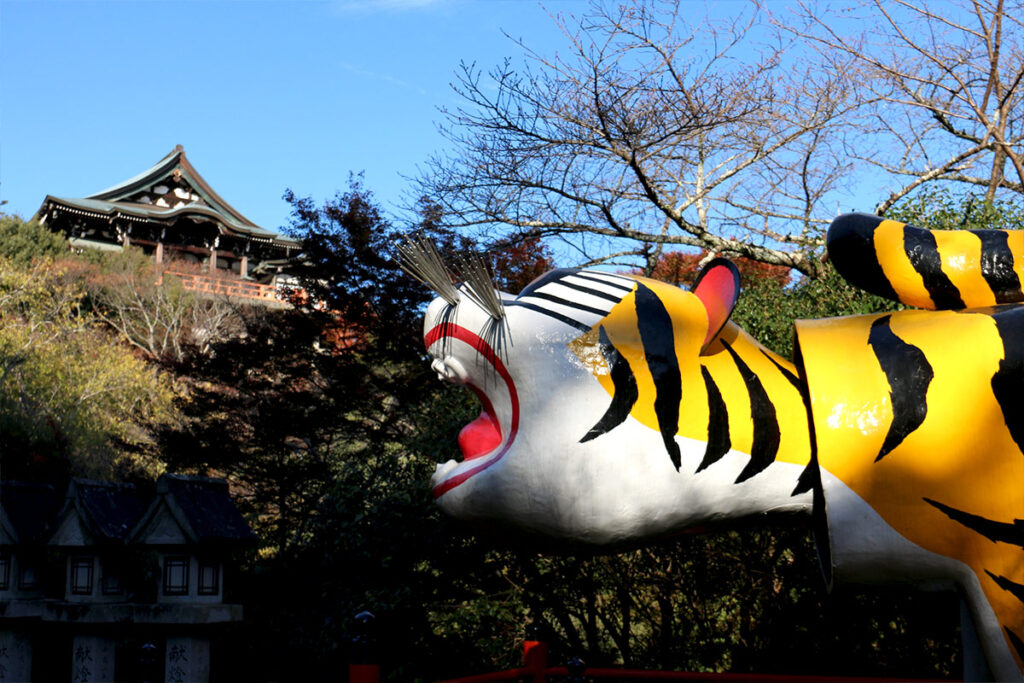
(618,408)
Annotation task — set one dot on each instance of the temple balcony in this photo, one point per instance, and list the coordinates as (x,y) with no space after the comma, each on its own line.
(275,295)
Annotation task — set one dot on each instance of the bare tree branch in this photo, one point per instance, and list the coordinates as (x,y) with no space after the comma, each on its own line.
(948,78)
(651,131)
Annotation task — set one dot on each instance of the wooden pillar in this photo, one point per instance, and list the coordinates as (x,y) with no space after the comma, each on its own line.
(243,269)
(159,253)
(213,255)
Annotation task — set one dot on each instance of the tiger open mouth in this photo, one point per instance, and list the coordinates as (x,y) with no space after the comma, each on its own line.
(487,439)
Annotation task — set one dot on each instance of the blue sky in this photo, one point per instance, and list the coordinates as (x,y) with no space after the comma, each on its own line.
(263,95)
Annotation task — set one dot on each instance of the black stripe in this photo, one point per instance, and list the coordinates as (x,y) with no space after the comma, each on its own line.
(1011,587)
(550,276)
(593,292)
(1008,381)
(997,266)
(766,422)
(809,476)
(994,531)
(909,374)
(566,302)
(655,326)
(793,379)
(1018,644)
(718,423)
(919,244)
(626,284)
(851,250)
(810,479)
(551,314)
(624,383)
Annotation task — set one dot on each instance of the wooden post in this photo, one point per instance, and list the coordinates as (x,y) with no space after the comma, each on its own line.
(213,260)
(159,253)
(243,269)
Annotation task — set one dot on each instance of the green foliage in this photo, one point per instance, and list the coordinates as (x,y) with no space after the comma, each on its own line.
(745,600)
(943,210)
(69,395)
(285,403)
(261,410)
(766,309)
(22,242)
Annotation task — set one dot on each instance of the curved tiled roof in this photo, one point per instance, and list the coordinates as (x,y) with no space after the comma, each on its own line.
(109,510)
(118,201)
(30,508)
(206,506)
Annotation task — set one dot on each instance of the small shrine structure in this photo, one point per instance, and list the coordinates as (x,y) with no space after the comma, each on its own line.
(170,212)
(110,584)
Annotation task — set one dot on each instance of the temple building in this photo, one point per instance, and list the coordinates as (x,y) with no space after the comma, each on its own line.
(172,213)
(109,584)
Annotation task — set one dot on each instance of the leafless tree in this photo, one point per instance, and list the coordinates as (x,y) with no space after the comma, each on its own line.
(651,130)
(947,82)
(152,311)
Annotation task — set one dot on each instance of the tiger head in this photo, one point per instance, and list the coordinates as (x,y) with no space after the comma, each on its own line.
(568,442)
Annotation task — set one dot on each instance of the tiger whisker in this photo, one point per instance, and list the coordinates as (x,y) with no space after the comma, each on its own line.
(420,258)
(478,285)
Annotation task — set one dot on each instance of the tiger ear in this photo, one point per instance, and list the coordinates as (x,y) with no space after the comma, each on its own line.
(718,288)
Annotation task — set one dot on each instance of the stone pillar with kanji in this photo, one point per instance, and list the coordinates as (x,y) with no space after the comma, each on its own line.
(187,660)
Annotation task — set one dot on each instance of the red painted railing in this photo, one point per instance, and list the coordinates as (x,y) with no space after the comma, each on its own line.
(231,287)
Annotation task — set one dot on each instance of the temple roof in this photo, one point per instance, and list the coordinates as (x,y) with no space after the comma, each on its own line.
(99,512)
(169,190)
(27,511)
(202,508)
(106,510)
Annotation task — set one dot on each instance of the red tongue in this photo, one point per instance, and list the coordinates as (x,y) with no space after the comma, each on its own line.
(480,436)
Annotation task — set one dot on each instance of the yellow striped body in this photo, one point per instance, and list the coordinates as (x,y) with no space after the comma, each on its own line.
(932,269)
(955,482)
(695,414)
(905,416)
(952,482)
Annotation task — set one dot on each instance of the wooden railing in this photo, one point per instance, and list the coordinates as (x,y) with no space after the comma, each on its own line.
(243,289)
(336,337)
